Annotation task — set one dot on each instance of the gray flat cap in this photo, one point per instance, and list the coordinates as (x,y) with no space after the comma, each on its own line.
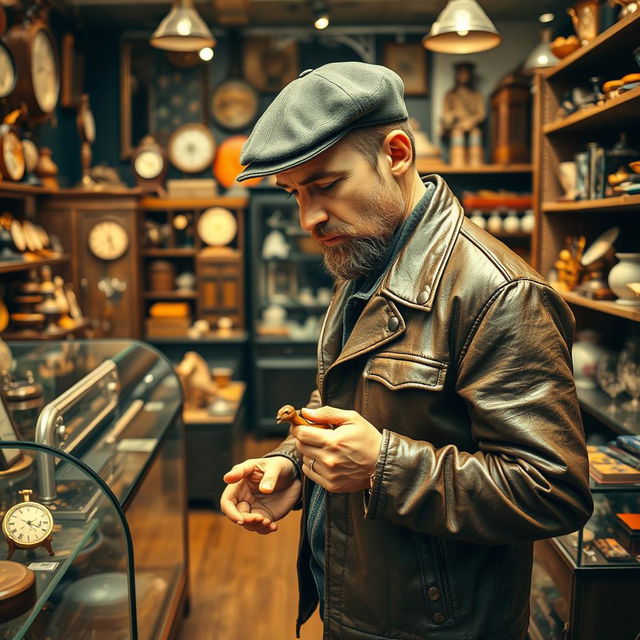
(316,110)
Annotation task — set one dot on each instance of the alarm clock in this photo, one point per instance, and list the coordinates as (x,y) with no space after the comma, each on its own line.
(149,164)
(217,227)
(108,240)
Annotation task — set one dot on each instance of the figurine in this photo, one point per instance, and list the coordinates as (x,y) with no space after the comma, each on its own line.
(462,113)
(288,414)
(568,265)
(197,383)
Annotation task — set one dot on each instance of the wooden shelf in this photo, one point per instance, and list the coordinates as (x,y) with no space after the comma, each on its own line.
(603,306)
(170,204)
(169,295)
(169,253)
(19,188)
(617,203)
(426,166)
(8,267)
(613,114)
(596,57)
(41,335)
(596,403)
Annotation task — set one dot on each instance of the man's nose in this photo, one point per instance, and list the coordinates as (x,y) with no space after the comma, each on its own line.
(311,215)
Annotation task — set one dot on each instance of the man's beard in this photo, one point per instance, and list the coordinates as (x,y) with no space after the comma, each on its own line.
(359,255)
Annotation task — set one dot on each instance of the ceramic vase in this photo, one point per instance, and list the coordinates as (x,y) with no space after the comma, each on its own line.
(627,270)
(586,352)
(494,223)
(511,224)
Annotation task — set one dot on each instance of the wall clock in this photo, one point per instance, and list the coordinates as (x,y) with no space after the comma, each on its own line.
(34,52)
(191,148)
(12,165)
(217,227)
(234,105)
(7,71)
(27,525)
(108,240)
(149,163)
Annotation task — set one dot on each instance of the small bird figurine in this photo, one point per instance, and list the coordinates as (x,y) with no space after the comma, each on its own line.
(288,414)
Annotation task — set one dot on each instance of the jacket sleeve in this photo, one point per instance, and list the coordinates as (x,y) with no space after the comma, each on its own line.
(528,478)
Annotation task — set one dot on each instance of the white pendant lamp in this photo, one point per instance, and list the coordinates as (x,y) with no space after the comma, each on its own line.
(462,27)
(541,57)
(182,29)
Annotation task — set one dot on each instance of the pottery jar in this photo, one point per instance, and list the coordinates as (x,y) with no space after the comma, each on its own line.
(627,270)
(585,353)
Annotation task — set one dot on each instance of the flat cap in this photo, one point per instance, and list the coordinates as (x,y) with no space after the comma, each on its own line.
(316,110)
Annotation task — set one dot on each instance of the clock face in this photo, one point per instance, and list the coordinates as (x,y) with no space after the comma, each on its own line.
(7,72)
(191,148)
(28,523)
(234,105)
(217,226)
(44,72)
(108,240)
(30,154)
(148,164)
(12,155)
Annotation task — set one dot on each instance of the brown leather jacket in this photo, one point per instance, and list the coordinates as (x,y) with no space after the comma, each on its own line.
(462,360)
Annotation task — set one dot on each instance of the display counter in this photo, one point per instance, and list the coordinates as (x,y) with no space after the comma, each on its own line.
(108,464)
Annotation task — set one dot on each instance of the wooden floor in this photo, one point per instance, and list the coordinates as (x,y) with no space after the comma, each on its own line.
(243,585)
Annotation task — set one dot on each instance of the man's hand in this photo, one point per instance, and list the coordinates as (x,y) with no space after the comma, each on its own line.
(260,492)
(340,460)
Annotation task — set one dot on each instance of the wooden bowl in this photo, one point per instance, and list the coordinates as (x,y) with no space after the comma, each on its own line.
(562,47)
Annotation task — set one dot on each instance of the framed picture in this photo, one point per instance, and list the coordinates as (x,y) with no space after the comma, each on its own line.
(409,61)
(72,73)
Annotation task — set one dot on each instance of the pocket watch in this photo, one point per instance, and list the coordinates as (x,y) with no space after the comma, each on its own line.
(108,240)
(12,166)
(191,148)
(217,226)
(28,525)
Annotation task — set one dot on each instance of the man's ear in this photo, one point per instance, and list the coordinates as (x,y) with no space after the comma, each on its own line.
(398,151)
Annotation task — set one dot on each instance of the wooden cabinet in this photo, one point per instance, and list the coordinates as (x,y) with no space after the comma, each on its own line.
(587,598)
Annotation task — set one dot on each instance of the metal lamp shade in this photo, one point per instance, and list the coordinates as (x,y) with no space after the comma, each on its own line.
(182,29)
(541,57)
(462,27)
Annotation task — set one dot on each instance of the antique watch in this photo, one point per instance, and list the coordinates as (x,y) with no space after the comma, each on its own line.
(12,165)
(191,148)
(108,240)
(149,164)
(217,227)
(34,52)
(27,525)
(7,71)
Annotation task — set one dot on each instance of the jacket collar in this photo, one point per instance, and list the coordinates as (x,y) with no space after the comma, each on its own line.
(412,280)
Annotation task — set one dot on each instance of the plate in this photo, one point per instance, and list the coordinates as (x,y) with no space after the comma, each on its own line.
(600,246)
(17,235)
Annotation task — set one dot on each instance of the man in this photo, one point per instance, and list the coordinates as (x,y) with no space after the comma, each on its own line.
(443,370)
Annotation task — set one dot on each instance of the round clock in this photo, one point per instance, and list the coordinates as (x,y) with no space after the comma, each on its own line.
(7,71)
(234,105)
(12,165)
(149,164)
(27,525)
(108,240)
(217,226)
(191,148)
(34,52)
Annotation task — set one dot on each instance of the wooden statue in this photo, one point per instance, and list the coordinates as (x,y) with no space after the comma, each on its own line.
(288,414)
(197,382)
(463,111)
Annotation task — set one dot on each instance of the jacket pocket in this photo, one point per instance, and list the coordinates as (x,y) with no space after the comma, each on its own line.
(435,579)
(398,371)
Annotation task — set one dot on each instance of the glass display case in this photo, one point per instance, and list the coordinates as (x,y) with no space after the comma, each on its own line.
(586,584)
(108,464)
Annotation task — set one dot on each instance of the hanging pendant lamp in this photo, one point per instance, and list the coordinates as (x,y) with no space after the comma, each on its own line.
(182,29)
(462,27)
(541,57)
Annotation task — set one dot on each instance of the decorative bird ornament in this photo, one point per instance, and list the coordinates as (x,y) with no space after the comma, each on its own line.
(288,414)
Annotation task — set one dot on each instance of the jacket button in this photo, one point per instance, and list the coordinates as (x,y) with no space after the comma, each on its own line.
(393,323)
(423,296)
(433,593)
(438,617)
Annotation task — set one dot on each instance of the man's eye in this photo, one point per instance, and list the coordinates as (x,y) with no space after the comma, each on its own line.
(329,186)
